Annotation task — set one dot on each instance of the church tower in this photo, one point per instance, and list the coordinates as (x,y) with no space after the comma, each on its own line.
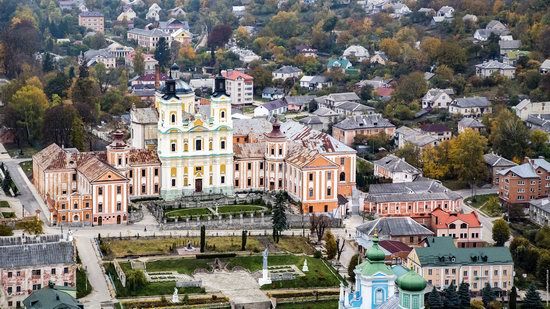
(118,151)
(275,153)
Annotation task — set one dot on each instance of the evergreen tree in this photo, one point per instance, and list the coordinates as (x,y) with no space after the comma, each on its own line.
(330,245)
(78,133)
(203,237)
(351,267)
(243,240)
(487,295)
(451,299)
(464,295)
(47,63)
(532,299)
(279,216)
(162,53)
(434,300)
(72,74)
(139,64)
(512,298)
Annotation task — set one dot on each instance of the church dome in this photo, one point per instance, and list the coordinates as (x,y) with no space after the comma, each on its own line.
(411,281)
(175,67)
(374,253)
(181,87)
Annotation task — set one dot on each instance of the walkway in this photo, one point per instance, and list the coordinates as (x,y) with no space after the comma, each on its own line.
(487,222)
(238,286)
(91,262)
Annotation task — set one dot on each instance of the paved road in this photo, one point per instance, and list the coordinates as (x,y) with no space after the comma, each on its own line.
(90,261)
(487,222)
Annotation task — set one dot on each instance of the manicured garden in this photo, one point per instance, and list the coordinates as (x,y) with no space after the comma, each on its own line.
(4,204)
(222,210)
(188,212)
(118,248)
(237,209)
(321,304)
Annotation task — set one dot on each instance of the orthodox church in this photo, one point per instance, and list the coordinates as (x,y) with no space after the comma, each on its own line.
(381,286)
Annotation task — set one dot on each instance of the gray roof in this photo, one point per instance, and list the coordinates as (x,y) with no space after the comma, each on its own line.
(254,125)
(309,120)
(151,33)
(145,115)
(394,226)
(91,14)
(325,112)
(273,105)
(410,191)
(395,164)
(545,64)
(344,96)
(470,123)
(299,100)
(528,169)
(273,90)
(288,69)
(543,204)
(509,44)
(364,122)
(17,252)
(496,160)
(354,107)
(471,102)
(492,64)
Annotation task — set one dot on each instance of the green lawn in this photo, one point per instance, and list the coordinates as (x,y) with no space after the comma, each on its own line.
(188,212)
(478,200)
(321,304)
(14,151)
(455,184)
(8,215)
(151,289)
(4,204)
(320,275)
(237,209)
(83,286)
(27,168)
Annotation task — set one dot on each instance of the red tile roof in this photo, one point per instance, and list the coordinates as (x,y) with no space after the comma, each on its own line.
(384,91)
(233,75)
(444,218)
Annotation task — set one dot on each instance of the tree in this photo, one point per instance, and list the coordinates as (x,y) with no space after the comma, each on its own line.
(509,135)
(430,46)
(330,245)
(435,162)
(539,143)
(391,47)
(543,264)
(203,238)
(410,87)
(543,41)
(452,54)
(139,63)
(410,153)
(434,300)
(340,244)
(85,94)
(451,299)
(20,41)
(279,216)
(218,37)
(162,53)
(464,295)
(366,92)
(487,295)
(351,266)
(59,85)
(5,230)
(512,298)
(58,124)
(135,279)
(243,239)
(26,111)
(466,152)
(532,299)
(78,133)
(318,225)
(47,63)
(33,226)
(284,24)
(262,78)
(501,232)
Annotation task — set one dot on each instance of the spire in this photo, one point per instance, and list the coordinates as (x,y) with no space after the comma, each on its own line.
(219,86)
(276,131)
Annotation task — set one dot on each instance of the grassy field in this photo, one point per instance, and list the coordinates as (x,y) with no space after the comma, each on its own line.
(82,289)
(27,168)
(237,209)
(188,212)
(479,200)
(8,215)
(455,184)
(14,151)
(4,204)
(322,304)
(161,246)
(320,275)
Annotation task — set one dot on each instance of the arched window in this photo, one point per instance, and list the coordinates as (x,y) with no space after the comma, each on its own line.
(185,146)
(75,218)
(222,114)
(463,226)
(379,297)
(342,176)
(173,118)
(452,226)
(210,145)
(173,147)
(198,144)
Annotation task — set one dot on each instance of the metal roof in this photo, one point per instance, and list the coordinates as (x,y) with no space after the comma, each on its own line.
(394,226)
(16,252)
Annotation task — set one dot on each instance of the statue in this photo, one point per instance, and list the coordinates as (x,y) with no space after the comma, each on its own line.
(305,268)
(265,272)
(175,297)
(265,255)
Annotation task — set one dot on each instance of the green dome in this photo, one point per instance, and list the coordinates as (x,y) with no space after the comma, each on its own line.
(374,253)
(411,281)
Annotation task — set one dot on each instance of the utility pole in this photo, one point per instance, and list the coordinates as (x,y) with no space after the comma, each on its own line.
(547,287)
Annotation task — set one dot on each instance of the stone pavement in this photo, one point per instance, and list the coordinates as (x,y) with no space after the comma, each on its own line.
(238,286)
(91,262)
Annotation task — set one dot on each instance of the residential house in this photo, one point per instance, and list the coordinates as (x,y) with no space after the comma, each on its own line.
(403,229)
(271,109)
(470,107)
(53,296)
(508,46)
(147,38)
(245,55)
(316,82)
(400,9)
(306,50)
(339,64)
(272,93)
(92,20)
(415,199)
(539,211)
(538,122)
(178,11)
(416,137)
(170,26)
(299,103)
(494,26)
(445,13)
(346,130)
(313,122)
(441,263)
(119,50)
(103,56)
(127,14)
(153,13)
(239,86)
(526,107)
(489,68)
(437,130)
(334,99)
(356,51)
(522,183)
(239,10)
(376,82)
(464,228)
(182,36)
(286,72)
(327,116)
(396,169)
(28,263)
(379,57)
(348,108)
(545,67)
(470,123)
(437,98)
(496,163)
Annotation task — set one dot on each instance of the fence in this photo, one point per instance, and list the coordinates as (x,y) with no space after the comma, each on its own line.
(120,273)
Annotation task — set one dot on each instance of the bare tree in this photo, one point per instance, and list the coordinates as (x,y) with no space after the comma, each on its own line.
(318,225)
(339,247)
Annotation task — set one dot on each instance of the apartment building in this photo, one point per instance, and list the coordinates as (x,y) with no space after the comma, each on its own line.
(365,125)
(441,263)
(396,169)
(495,164)
(522,183)
(92,20)
(464,228)
(240,87)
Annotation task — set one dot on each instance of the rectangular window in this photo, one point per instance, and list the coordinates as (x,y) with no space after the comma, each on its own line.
(118,189)
(99,207)
(156,188)
(143,188)
(9,274)
(156,171)
(310,176)
(173,182)
(36,287)
(249,166)
(429,272)
(118,206)
(66,270)
(237,167)
(261,181)
(198,145)
(36,272)
(236,182)
(261,165)
(249,182)
(100,191)
(222,180)
(131,173)
(342,161)
(75,206)
(74,177)
(143,173)
(329,191)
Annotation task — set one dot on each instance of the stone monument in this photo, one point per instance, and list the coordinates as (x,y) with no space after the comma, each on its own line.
(265,272)
(175,297)
(305,268)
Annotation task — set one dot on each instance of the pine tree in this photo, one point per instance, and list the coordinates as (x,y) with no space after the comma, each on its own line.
(243,240)
(203,238)
(279,216)
(487,295)
(434,300)
(464,295)
(532,299)
(162,53)
(512,298)
(451,299)
(47,63)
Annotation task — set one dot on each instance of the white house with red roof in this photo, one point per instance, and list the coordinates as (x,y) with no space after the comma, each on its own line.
(239,86)
(465,228)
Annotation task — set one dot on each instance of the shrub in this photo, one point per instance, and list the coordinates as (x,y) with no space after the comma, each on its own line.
(215,255)
(5,230)
(317,254)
